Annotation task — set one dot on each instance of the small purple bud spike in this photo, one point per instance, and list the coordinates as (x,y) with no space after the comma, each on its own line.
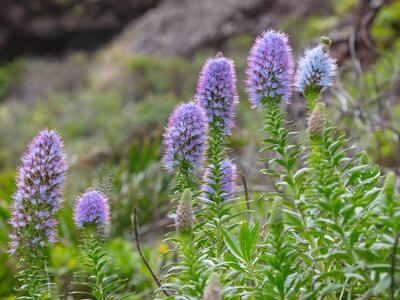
(216,91)
(92,209)
(185,138)
(227,181)
(270,69)
(38,196)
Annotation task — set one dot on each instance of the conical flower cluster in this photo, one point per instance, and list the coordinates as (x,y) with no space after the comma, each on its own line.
(92,209)
(216,91)
(184,214)
(270,69)
(38,196)
(316,122)
(316,70)
(185,137)
(227,181)
(389,187)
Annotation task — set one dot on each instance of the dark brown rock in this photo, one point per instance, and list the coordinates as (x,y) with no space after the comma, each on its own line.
(178,27)
(55,26)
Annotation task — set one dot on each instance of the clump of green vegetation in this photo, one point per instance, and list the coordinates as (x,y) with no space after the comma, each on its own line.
(9,74)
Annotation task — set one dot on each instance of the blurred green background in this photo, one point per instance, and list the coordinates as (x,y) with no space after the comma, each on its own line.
(107,74)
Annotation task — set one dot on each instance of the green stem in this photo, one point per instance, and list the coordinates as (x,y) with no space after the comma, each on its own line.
(92,252)
(191,261)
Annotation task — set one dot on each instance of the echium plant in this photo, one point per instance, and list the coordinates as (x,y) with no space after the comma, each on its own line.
(97,277)
(36,201)
(269,83)
(343,196)
(189,271)
(217,94)
(184,148)
(332,232)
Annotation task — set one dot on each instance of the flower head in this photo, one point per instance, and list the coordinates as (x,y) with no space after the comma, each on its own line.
(185,137)
(270,68)
(38,196)
(92,208)
(184,214)
(228,181)
(316,69)
(216,91)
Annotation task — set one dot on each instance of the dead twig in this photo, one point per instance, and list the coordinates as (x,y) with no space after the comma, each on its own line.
(247,198)
(139,248)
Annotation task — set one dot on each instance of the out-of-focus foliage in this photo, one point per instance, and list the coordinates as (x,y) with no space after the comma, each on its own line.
(386,26)
(369,107)
(9,75)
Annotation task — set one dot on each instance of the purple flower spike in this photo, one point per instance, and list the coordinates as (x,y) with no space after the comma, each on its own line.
(316,70)
(270,69)
(92,208)
(38,196)
(185,137)
(216,91)
(228,181)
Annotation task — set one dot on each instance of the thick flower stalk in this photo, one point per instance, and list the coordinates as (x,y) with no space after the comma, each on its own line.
(36,201)
(270,69)
(315,72)
(185,143)
(269,82)
(189,268)
(216,92)
(281,259)
(92,217)
(228,182)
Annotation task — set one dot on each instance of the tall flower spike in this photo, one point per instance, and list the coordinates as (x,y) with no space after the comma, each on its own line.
(216,91)
(38,196)
(185,138)
(316,71)
(228,181)
(316,122)
(92,209)
(184,214)
(270,69)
